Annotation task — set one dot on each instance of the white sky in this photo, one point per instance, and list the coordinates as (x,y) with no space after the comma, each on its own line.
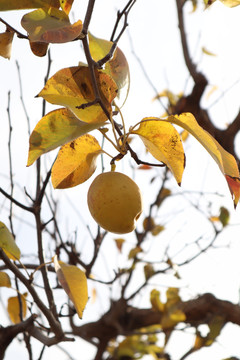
(154,33)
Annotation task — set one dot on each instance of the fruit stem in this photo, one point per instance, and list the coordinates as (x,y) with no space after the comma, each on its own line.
(107,138)
(123,123)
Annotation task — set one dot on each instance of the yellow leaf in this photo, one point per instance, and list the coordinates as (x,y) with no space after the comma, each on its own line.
(76,162)
(133,252)
(55,129)
(214,218)
(119,243)
(199,341)
(39,48)
(177,316)
(6,39)
(157,305)
(5,279)
(208,2)
(148,271)
(27,4)
(211,91)
(50,25)
(164,143)
(14,308)
(224,159)
(164,193)
(172,296)
(8,244)
(231,3)
(172,98)
(194,5)
(66,5)
(72,87)
(207,52)
(74,282)
(148,223)
(117,68)
(99,48)
(172,317)
(157,229)
(93,296)
(184,135)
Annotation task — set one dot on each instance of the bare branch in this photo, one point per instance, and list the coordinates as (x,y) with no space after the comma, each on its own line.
(21,97)
(22,206)
(88,16)
(55,325)
(7,334)
(20,35)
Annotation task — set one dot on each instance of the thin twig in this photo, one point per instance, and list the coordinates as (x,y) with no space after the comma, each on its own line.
(88,16)
(22,206)
(10,163)
(55,325)
(21,97)
(120,14)
(188,60)
(20,35)
(97,244)
(37,213)
(144,71)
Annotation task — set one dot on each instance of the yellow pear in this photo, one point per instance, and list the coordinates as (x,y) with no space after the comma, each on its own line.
(115,202)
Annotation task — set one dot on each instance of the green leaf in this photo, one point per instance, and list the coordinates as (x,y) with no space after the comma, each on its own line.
(56,129)
(224,216)
(215,327)
(8,244)
(76,162)
(50,26)
(72,87)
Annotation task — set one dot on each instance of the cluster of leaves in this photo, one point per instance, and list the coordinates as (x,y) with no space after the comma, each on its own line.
(207,3)
(75,89)
(88,93)
(91,95)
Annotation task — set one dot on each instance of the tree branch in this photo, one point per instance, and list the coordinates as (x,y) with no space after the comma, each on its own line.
(188,61)
(123,319)
(7,334)
(54,324)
